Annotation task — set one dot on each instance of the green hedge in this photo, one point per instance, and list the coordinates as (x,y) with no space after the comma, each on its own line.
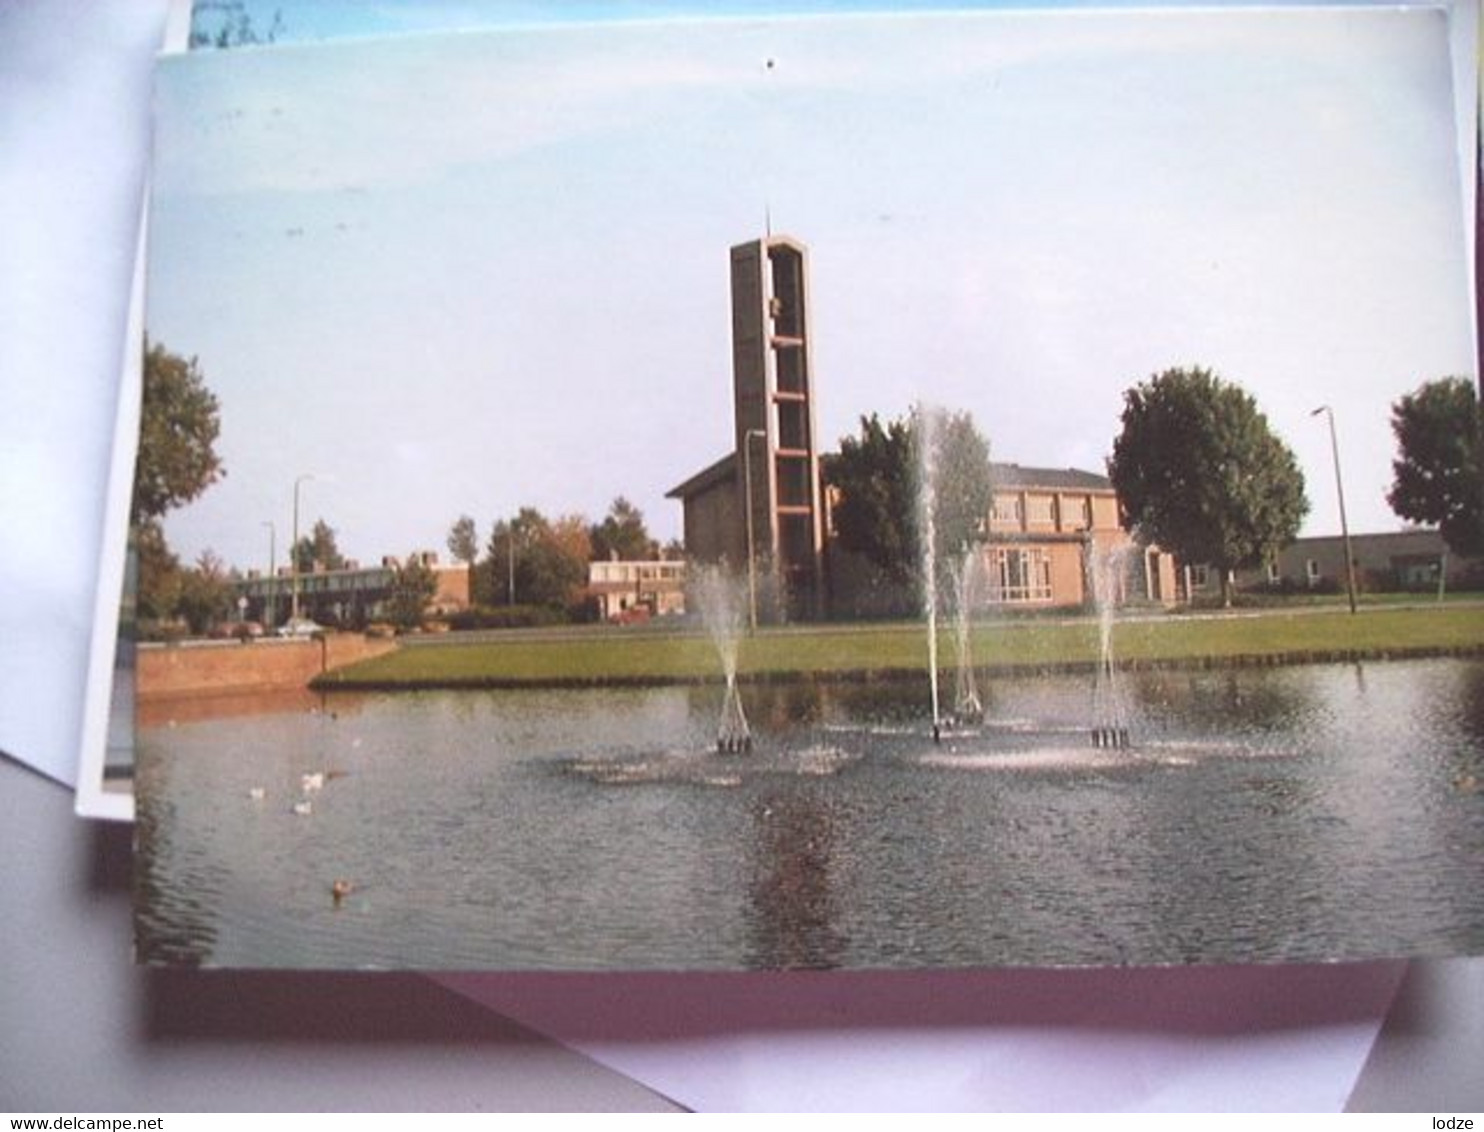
(507,617)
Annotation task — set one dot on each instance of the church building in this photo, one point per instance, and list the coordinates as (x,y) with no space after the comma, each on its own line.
(764,508)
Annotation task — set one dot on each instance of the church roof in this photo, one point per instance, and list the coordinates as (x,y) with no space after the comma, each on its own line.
(707,478)
(1053,479)
(1003,476)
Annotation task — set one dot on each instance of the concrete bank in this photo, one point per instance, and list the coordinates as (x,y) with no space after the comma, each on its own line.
(197,668)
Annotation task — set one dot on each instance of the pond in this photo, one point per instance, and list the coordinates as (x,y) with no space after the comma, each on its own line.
(1279,814)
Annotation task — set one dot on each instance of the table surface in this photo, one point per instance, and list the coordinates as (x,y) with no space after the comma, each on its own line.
(86,1030)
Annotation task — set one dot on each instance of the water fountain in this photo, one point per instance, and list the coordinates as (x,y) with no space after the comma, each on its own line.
(927,532)
(1106,566)
(966,574)
(719,597)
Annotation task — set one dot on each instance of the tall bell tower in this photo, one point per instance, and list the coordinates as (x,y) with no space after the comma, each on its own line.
(777,458)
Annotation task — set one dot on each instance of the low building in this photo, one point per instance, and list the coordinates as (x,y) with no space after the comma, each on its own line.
(1397,561)
(351,596)
(625,591)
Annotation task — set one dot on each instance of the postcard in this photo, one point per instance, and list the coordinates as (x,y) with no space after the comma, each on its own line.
(841,492)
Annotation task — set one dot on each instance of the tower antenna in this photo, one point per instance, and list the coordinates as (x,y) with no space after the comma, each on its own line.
(767,221)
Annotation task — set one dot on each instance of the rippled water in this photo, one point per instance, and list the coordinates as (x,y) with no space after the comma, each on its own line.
(1294,814)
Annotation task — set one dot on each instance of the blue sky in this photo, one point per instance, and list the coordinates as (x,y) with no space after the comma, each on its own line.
(464,273)
(308,21)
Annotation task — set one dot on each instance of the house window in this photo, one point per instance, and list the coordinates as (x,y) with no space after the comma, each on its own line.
(1311,570)
(1007,509)
(1274,574)
(1077,514)
(1039,509)
(1022,575)
(1200,576)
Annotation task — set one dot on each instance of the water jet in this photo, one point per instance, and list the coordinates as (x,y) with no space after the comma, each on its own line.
(719,598)
(927,533)
(1106,569)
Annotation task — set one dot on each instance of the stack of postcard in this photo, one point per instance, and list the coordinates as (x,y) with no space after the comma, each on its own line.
(847,489)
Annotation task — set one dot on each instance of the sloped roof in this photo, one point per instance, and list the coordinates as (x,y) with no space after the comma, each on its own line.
(708,477)
(1003,476)
(1053,479)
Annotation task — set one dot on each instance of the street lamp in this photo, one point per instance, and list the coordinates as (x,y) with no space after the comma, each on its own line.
(751,545)
(1340,492)
(272,604)
(294,554)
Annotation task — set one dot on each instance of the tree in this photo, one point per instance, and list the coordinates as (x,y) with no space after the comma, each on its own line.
(873,475)
(205,594)
(878,477)
(413,587)
(179,425)
(178,428)
(463,544)
(1439,469)
(509,540)
(1199,471)
(318,546)
(622,534)
(227,23)
(463,540)
(554,567)
(158,592)
(544,561)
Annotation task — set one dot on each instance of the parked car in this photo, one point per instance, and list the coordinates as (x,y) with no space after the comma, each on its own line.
(236,630)
(300,629)
(636,615)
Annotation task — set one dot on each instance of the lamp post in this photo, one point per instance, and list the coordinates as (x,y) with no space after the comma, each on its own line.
(271,603)
(294,554)
(1334,445)
(751,544)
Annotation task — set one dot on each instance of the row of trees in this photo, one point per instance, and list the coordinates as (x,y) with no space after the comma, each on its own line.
(533,561)
(1198,470)
(180,423)
(1196,466)
(528,560)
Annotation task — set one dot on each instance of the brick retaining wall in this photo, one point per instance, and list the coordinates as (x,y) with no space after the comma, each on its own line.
(213,667)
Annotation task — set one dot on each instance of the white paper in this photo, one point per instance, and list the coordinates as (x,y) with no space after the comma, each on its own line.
(1216,1038)
(74,127)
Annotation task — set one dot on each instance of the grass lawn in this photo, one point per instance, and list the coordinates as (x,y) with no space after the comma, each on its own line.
(617,656)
